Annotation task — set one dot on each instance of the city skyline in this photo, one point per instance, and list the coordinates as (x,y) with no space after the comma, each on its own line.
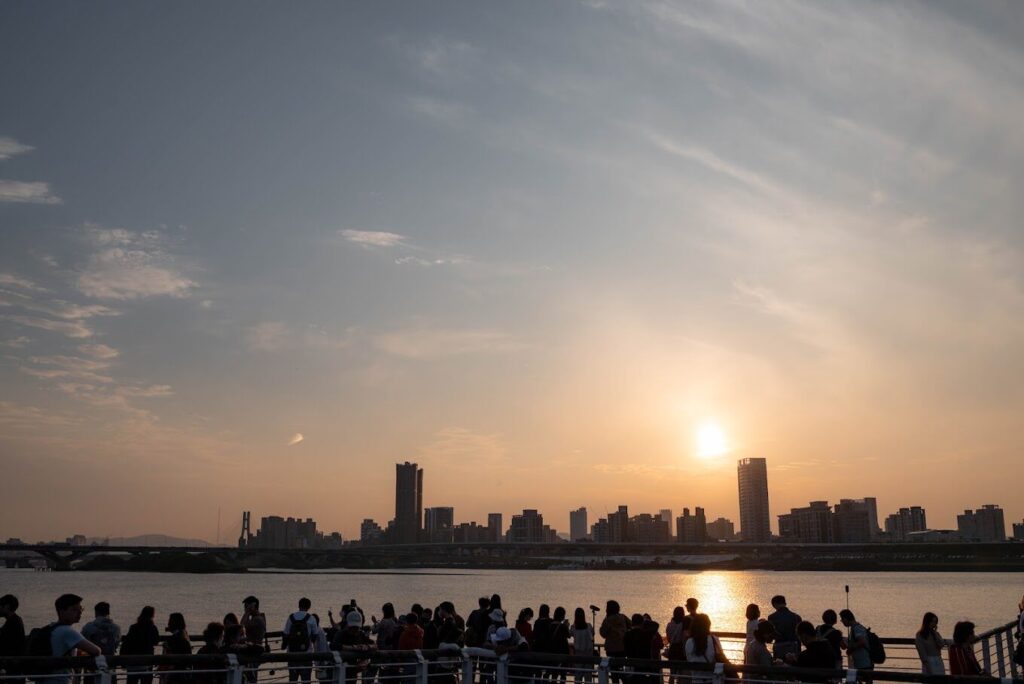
(562,255)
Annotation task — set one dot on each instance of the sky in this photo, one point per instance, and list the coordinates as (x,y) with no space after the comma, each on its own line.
(254,254)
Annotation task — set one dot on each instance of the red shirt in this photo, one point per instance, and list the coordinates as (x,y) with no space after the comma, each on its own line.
(962,660)
(411,638)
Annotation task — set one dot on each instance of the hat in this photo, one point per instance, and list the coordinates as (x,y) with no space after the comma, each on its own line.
(502,634)
(354,619)
(497,615)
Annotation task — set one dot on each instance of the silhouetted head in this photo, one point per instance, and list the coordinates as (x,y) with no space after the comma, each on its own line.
(753,611)
(637,620)
(213,633)
(805,632)
(559,614)
(304,604)
(495,601)
(147,614)
(69,608)
(691,605)
(484,602)
(678,613)
(544,611)
(829,617)
(102,609)
(963,632)
(778,601)
(612,607)
(388,610)
(412,619)
(764,632)
(929,623)
(8,604)
(230,619)
(579,621)
(847,617)
(251,604)
(175,622)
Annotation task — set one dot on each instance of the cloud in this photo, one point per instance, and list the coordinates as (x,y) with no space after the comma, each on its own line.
(74,329)
(373,238)
(461,446)
(442,57)
(441,111)
(25,417)
(30,192)
(10,147)
(271,336)
(430,343)
(11,280)
(99,351)
(295,439)
(16,343)
(267,336)
(119,273)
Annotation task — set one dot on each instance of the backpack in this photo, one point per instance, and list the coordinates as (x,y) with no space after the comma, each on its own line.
(39,645)
(298,635)
(876,650)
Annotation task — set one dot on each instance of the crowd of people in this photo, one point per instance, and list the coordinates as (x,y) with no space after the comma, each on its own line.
(780,639)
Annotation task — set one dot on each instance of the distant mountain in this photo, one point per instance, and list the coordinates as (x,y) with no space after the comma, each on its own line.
(149,540)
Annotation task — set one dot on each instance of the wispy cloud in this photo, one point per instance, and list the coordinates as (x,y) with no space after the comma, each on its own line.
(373,238)
(99,351)
(129,265)
(16,343)
(295,439)
(10,147)
(425,342)
(12,280)
(460,446)
(272,336)
(74,329)
(29,192)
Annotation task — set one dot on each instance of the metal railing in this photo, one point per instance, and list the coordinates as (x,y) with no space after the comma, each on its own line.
(454,666)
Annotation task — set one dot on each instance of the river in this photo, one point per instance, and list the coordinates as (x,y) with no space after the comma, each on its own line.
(890,602)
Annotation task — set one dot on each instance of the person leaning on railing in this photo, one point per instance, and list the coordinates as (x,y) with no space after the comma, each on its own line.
(929,644)
(962,660)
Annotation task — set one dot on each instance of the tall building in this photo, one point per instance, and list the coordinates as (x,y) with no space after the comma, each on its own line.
(985,524)
(648,529)
(1018,531)
(470,533)
(438,523)
(855,521)
(408,503)
(528,527)
(721,529)
(578,524)
(618,526)
(286,533)
(755,521)
(692,529)
(811,524)
(600,532)
(370,532)
(666,515)
(904,521)
(495,532)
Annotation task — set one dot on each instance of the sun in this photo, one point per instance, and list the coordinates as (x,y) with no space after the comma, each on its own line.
(711,441)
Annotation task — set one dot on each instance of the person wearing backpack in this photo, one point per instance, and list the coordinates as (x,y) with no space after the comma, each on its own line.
(60,638)
(300,633)
(858,650)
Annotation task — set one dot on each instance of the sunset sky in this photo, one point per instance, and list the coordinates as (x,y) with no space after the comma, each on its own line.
(253,254)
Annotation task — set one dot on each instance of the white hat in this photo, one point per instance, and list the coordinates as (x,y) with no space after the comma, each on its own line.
(497,615)
(354,619)
(502,634)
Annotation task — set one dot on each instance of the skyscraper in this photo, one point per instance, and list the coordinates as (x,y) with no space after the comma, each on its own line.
(438,524)
(578,524)
(495,533)
(666,515)
(408,503)
(985,524)
(755,521)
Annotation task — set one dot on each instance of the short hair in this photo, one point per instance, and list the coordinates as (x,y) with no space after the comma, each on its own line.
(962,632)
(805,628)
(250,599)
(613,607)
(778,600)
(545,610)
(102,608)
(213,632)
(753,611)
(304,603)
(846,614)
(829,617)
(9,600)
(65,601)
(765,629)
(412,618)
(484,602)
(449,607)
(637,619)
(692,602)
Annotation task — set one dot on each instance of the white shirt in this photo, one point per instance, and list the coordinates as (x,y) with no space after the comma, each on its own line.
(315,633)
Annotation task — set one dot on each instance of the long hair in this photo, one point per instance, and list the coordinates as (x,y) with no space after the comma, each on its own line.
(147,614)
(926,625)
(962,633)
(678,613)
(753,611)
(579,619)
(700,632)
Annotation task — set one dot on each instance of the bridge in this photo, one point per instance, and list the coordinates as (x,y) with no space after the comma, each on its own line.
(1006,556)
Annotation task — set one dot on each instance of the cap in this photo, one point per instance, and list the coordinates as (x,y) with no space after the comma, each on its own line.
(354,619)
(497,615)
(502,634)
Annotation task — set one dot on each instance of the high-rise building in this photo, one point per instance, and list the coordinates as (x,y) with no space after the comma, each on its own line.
(618,526)
(600,531)
(855,521)
(528,527)
(471,533)
(1018,531)
(985,524)
(755,521)
(648,529)
(370,532)
(666,515)
(408,503)
(438,523)
(692,529)
(494,529)
(721,529)
(906,520)
(578,524)
(811,524)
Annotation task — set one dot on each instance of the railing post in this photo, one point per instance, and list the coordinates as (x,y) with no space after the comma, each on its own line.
(1010,650)
(719,676)
(602,671)
(102,671)
(338,675)
(467,667)
(1000,662)
(501,670)
(234,669)
(986,656)
(421,667)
